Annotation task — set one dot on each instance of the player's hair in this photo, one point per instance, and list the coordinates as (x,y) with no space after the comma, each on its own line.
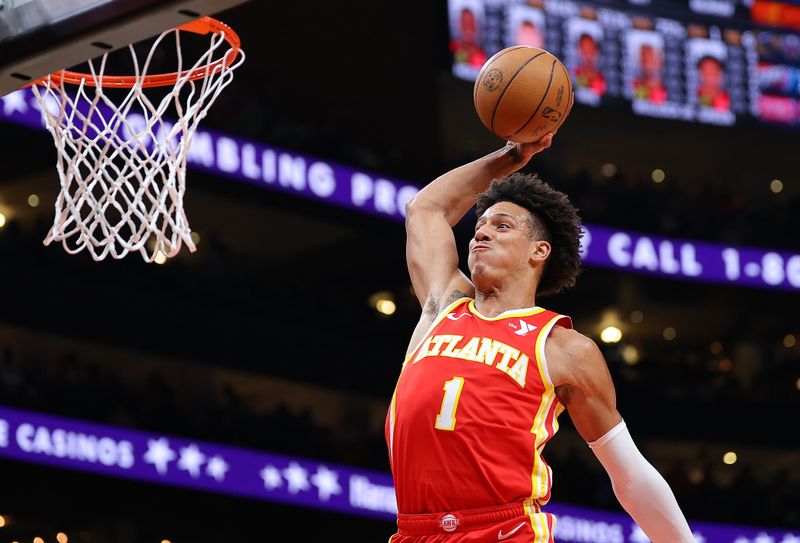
(553,219)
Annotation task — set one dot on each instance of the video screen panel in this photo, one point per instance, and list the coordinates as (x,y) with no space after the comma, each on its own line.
(689,60)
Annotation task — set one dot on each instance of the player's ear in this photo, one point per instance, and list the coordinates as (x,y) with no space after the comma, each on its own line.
(540,250)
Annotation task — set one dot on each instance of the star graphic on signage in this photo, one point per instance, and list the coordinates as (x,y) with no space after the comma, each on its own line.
(763,538)
(327,482)
(790,538)
(296,478)
(14,102)
(191,459)
(159,454)
(638,536)
(217,467)
(272,477)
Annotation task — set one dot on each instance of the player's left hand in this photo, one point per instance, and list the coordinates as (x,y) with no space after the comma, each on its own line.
(522,152)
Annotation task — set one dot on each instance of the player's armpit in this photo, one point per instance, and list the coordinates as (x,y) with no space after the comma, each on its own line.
(583,383)
(430,311)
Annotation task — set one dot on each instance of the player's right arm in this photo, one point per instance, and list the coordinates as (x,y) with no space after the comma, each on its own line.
(430,216)
(583,384)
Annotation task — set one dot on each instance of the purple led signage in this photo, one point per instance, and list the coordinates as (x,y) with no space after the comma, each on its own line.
(694,260)
(144,456)
(120,452)
(274,168)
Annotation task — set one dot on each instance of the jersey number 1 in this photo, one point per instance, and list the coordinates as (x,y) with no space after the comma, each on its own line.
(446,419)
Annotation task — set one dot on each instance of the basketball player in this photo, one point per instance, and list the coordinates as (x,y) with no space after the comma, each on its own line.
(488,371)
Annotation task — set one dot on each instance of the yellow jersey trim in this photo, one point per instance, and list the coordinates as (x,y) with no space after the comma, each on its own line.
(523,312)
(439,318)
(541,473)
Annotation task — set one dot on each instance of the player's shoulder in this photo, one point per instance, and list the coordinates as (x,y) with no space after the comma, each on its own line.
(572,356)
(567,341)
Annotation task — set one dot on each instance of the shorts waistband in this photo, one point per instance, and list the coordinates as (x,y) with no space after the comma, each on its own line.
(464,520)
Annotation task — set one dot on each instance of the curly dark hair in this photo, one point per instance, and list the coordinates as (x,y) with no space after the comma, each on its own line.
(553,219)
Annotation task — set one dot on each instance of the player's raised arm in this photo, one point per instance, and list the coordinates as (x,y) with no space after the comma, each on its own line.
(584,385)
(430,216)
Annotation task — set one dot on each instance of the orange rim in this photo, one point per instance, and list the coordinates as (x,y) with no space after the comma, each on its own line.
(202,26)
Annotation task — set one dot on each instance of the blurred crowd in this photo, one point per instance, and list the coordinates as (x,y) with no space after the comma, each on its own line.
(715,213)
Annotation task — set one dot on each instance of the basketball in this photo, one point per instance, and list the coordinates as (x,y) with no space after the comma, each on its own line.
(522,93)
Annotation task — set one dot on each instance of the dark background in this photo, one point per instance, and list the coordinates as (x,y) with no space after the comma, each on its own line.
(169,348)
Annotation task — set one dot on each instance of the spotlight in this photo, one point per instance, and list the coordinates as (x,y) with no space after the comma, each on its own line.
(669,333)
(608,170)
(729,458)
(630,355)
(61,537)
(776,185)
(789,341)
(383,302)
(2,220)
(387,307)
(160,258)
(611,334)
(658,175)
(637,317)
(33,200)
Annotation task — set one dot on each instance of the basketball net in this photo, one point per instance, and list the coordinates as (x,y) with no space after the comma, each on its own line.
(121,165)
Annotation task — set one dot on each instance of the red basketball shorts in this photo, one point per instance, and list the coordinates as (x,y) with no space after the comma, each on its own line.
(501,524)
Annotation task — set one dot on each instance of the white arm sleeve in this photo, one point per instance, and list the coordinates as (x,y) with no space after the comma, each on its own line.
(640,489)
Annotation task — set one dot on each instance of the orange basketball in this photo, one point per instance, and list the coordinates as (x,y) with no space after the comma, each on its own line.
(522,93)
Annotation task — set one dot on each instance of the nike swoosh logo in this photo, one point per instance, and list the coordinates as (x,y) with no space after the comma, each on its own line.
(452,316)
(501,536)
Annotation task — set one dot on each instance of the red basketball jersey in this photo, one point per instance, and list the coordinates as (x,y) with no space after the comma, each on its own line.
(472,410)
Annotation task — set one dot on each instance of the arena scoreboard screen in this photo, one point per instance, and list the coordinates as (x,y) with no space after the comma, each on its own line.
(710,61)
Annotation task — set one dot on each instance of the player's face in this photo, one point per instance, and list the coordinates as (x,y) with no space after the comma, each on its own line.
(651,59)
(469,26)
(710,74)
(502,240)
(588,50)
(528,34)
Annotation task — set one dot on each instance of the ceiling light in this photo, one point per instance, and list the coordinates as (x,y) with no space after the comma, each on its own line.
(658,175)
(611,334)
(608,170)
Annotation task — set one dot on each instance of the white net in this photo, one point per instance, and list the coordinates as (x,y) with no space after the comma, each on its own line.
(121,163)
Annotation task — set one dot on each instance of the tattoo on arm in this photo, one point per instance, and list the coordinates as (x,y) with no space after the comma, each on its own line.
(455,295)
(432,306)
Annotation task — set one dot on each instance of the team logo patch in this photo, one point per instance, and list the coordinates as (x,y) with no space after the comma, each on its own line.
(523,328)
(449,523)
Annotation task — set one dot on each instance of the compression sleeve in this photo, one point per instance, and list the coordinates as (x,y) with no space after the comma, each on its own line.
(640,489)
